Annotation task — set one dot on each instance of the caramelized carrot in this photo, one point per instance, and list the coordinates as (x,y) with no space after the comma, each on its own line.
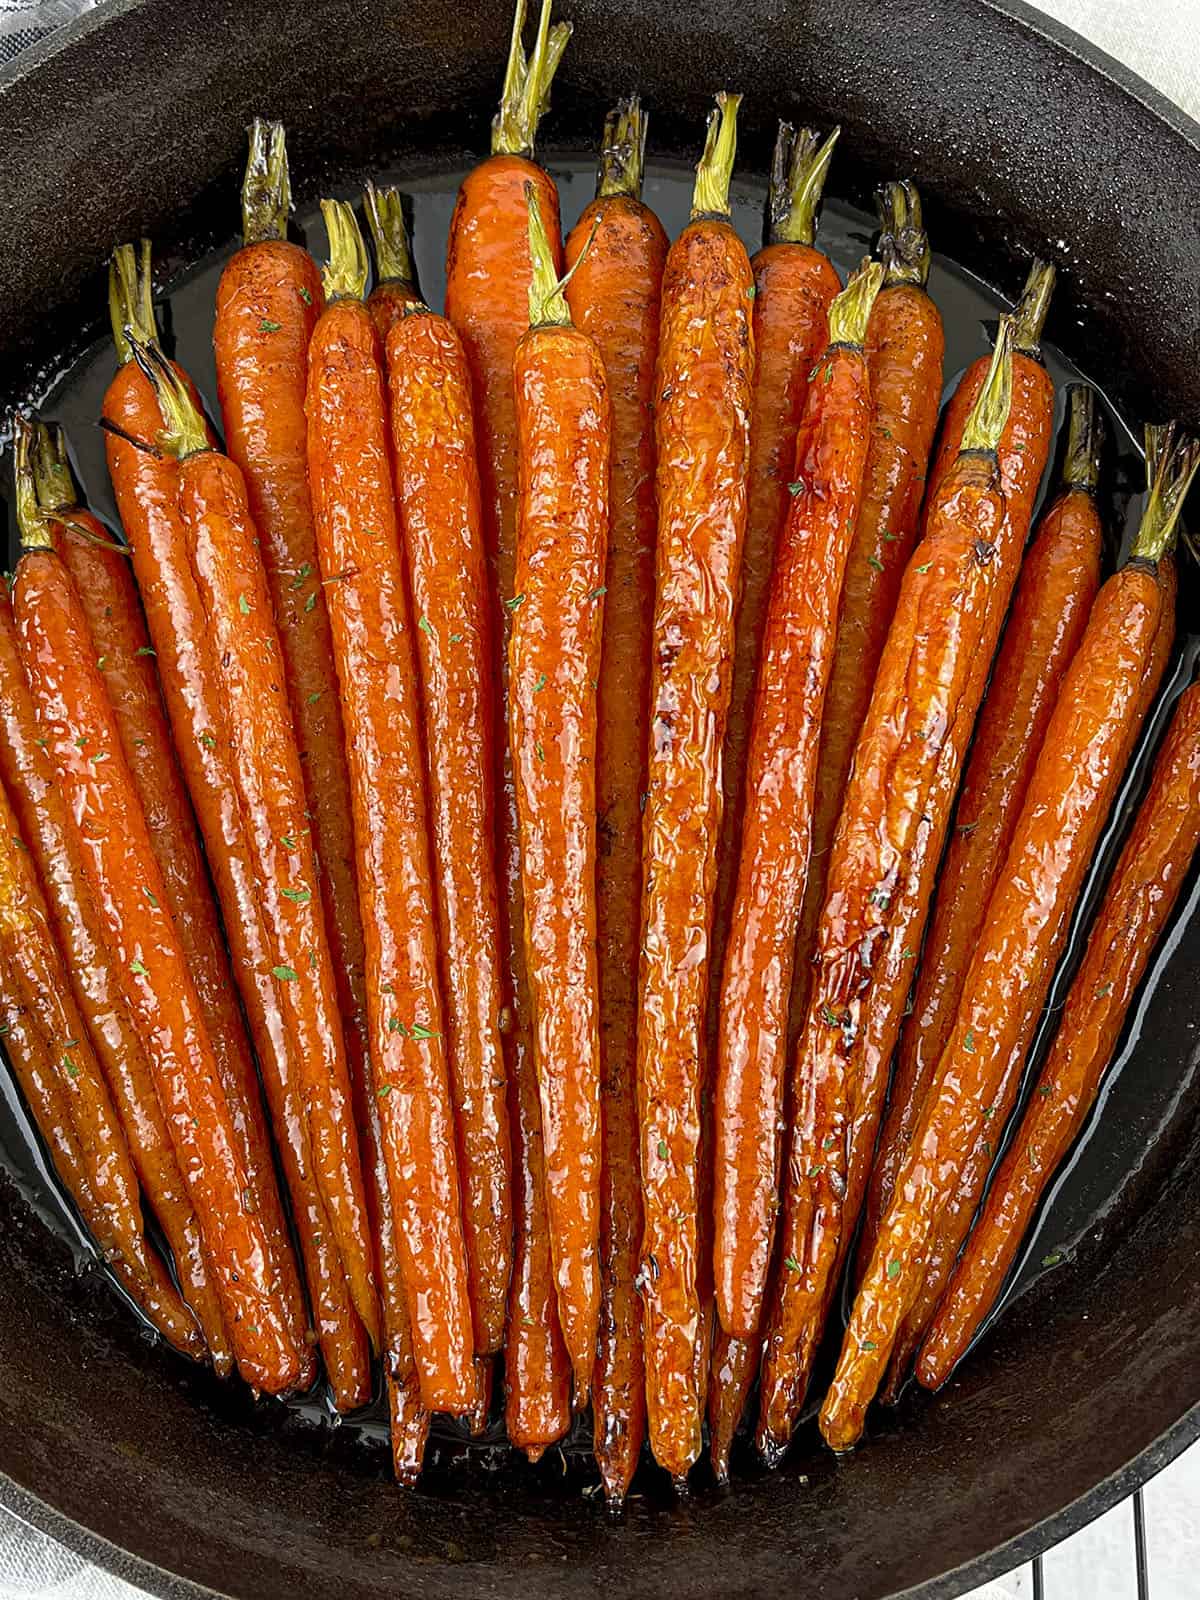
(146,488)
(395,291)
(39,1074)
(1066,802)
(734,1366)
(924,672)
(437,488)
(563,434)
(128,892)
(702,399)
(1139,900)
(359,547)
(905,349)
(1024,451)
(614,293)
(797,648)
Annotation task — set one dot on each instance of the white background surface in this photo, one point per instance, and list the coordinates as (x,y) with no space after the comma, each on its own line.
(1160,40)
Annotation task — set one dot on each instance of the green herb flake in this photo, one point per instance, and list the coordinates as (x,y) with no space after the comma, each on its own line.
(967,827)
(907,954)
(306,295)
(796,488)
(383,1091)
(831,1016)
(72,1068)
(81,741)
(139,969)
(386,988)
(890,538)
(926,567)
(540,684)
(311,601)
(817,1170)
(300,896)
(874,561)
(426,627)
(515,604)
(101,755)
(456,638)
(662,1149)
(207,740)
(41,743)
(1045,1090)
(267,326)
(394,1025)
(420,1031)
(791,1263)
(988,1111)
(598,594)
(893,1270)
(1103,990)
(100,660)
(284,974)
(867,1344)
(1054,1259)
(969,1041)
(828,1144)
(151,896)
(315,696)
(539,752)
(303,573)
(144,650)
(243,605)
(287,841)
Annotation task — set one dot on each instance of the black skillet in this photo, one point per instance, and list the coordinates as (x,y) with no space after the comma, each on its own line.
(1023,139)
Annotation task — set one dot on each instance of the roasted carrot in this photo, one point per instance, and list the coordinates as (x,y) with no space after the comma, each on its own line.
(146,488)
(1137,904)
(563,439)
(395,290)
(1066,802)
(702,410)
(358,543)
(1024,451)
(734,1367)
(437,489)
(797,648)
(128,892)
(924,672)
(614,294)
(39,1073)
(905,350)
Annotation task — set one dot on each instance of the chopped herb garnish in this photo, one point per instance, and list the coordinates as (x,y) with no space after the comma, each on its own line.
(268,326)
(456,638)
(306,295)
(831,1016)
(72,1069)
(796,488)
(207,740)
(926,567)
(515,604)
(893,1270)
(394,1025)
(311,601)
(969,1041)
(907,953)
(420,1031)
(100,660)
(1045,1090)
(597,594)
(243,605)
(300,896)
(101,755)
(538,751)
(81,741)
(828,1144)
(139,969)
(151,896)
(540,684)
(284,974)
(303,573)
(315,696)
(662,1149)
(426,627)
(41,743)
(383,1091)
(287,841)
(874,561)
(144,650)
(1102,990)
(1054,1259)
(791,1263)
(817,1170)
(967,827)
(386,988)
(867,1344)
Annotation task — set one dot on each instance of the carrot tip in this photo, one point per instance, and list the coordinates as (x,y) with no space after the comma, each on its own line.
(903,244)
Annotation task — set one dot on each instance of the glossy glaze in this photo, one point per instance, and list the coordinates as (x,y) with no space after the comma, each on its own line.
(734,1369)
(615,296)
(437,489)
(1065,807)
(702,419)
(388,303)
(127,888)
(359,545)
(797,651)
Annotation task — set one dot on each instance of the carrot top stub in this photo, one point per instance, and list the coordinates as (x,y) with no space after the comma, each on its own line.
(130,298)
(525,97)
(389,235)
(1172,458)
(1085,440)
(714,171)
(548,306)
(266,188)
(850,311)
(623,151)
(799,166)
(1029,313)
(32,527)
(184,433)
(903,244)
(989,414)
(345,275)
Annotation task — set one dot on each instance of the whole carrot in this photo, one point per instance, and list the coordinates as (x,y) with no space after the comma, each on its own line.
(1137,904)
(437,490)
(924,672)
(358,542)
(563,433)
(1068,797)
(1023,453)
(395,290)
(38,1072)
(615,292)
(702,409)
(127,889)
(145,484)
(905,350)
(797,649)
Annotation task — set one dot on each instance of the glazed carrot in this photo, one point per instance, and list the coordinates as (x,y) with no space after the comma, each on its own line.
(702,399)
(797,648)
(39,1075)
(563,435)
(437,489)
(1067,800)
(794,284)
(1024,451)
(924,672)
(146,489)
(905,349)
(395,290)
(1137,904)
(734,1367)
(128,892)
(614,294)
(359,547)
(45,826)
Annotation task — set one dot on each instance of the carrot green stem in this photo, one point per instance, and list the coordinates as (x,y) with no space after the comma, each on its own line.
(389,235)
(623,152)
(714,171)
(525,96)
(266,188)
(903,243)
(345,277)
(130,298)
(850,312)
(31,525)
(547,302)
(1029,314)
(1172,458)
(183,433)
(799,167)
(989,414)
(1085,440)
(52,473)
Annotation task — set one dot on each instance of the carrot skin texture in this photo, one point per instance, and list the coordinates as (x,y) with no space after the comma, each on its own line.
(389,303)
(734,1366)
(157,984)
(798,642)
(358,542)
(905,351)
(39,1081)
(703,394)
(437,487)
(147,495)
(615,296)
(1065,806)
(1140,897)
(563,436)
(43,823)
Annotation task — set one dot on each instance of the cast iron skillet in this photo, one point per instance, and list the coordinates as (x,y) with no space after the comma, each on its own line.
(1022,140)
